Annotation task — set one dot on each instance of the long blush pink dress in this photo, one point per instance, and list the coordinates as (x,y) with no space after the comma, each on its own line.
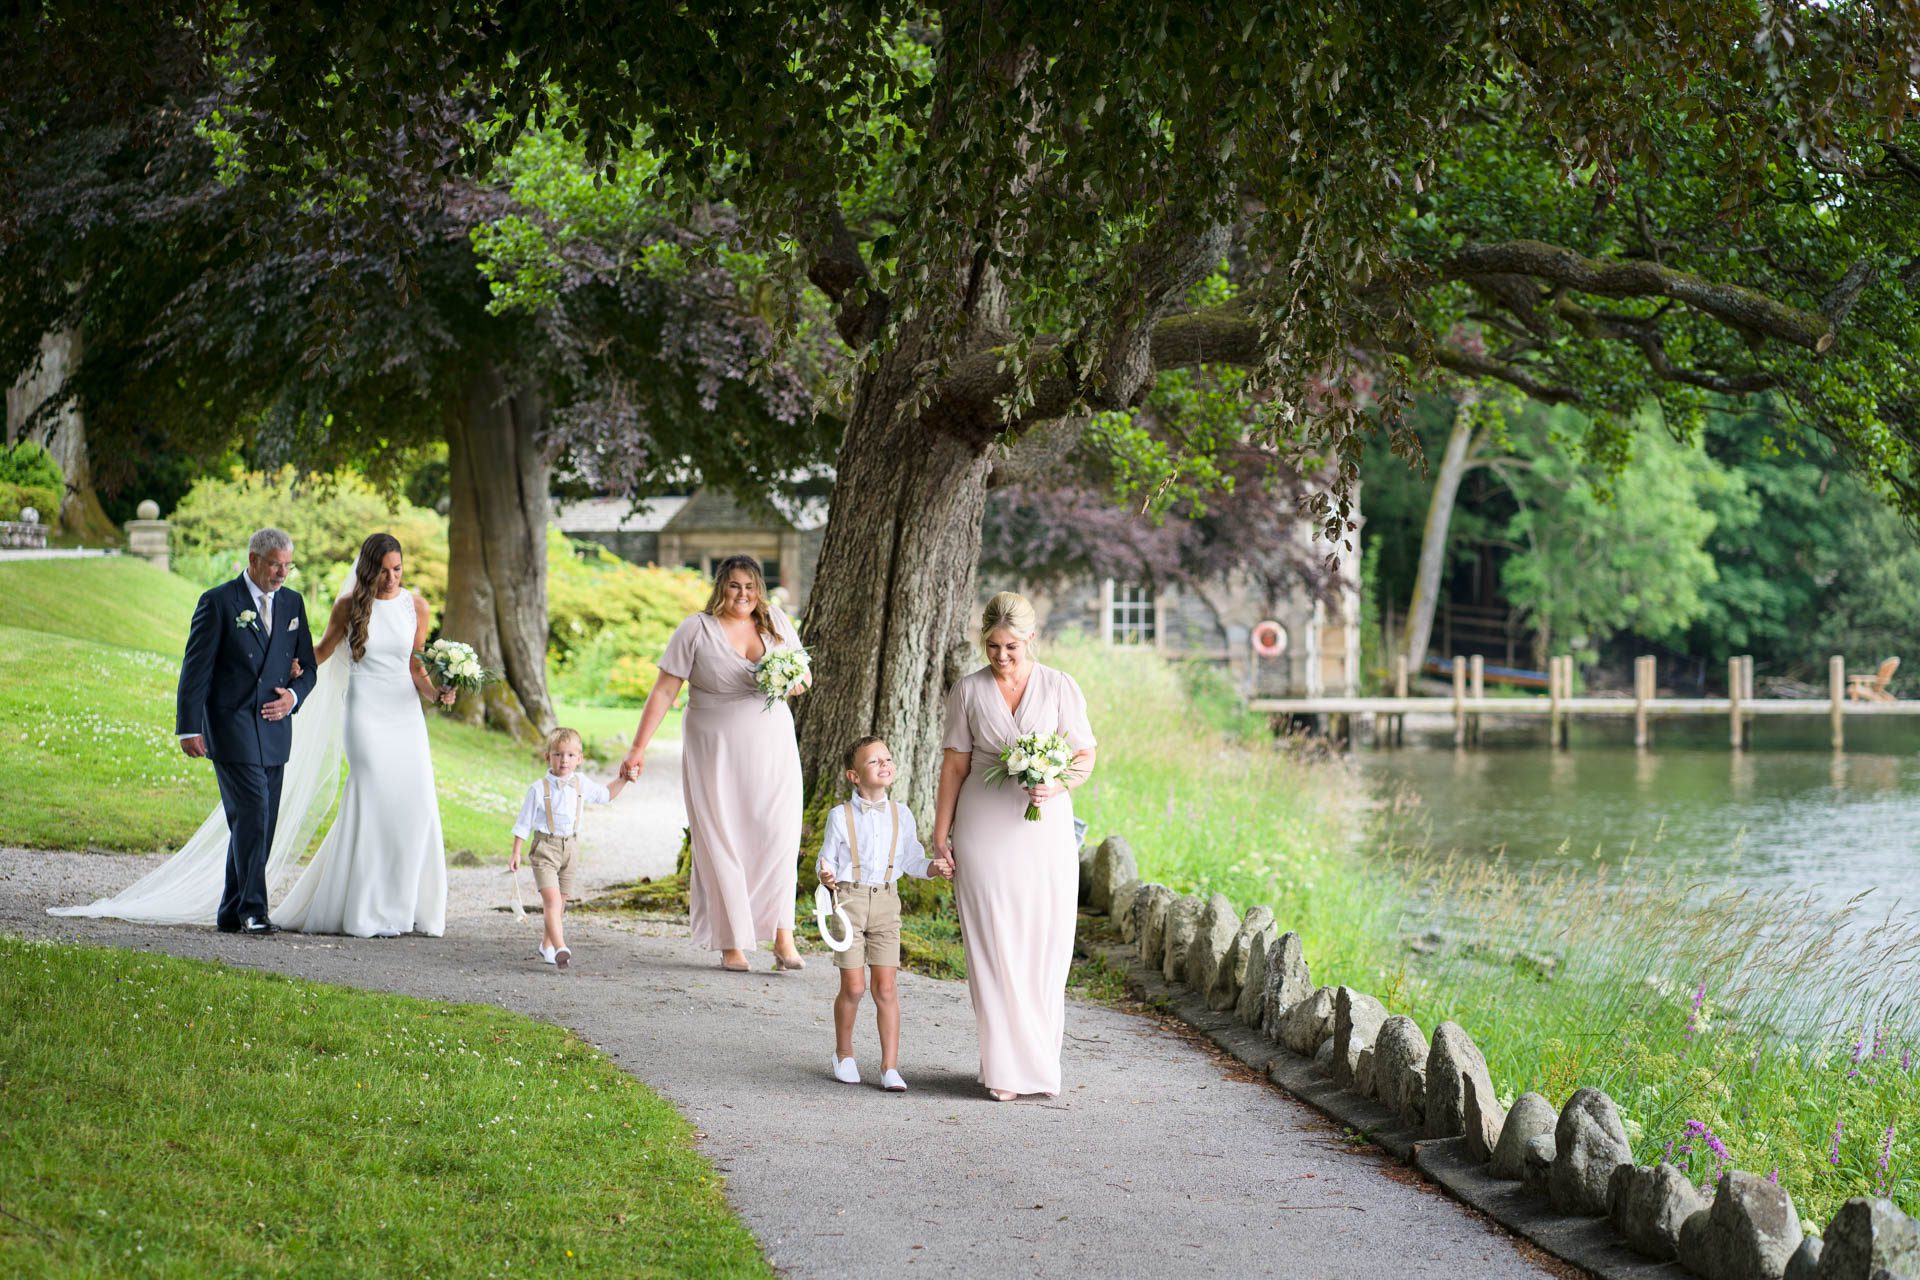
(740,770)
(1016,883)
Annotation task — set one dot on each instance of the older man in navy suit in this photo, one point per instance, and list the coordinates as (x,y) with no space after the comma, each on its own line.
(237,696)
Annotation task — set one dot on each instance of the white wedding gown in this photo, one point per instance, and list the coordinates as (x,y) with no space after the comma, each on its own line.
(382,867)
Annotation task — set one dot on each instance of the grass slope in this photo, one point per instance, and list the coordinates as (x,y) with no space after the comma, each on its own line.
(175,1118)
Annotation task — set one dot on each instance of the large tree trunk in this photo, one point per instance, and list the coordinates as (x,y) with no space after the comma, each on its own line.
(497,563)
(1463,443)
(888,618)
(80,511)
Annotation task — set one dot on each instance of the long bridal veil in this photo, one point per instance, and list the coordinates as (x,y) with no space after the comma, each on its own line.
(185,889)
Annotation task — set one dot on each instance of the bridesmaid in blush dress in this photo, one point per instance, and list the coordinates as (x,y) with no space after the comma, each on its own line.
(1016,883)
(740,769)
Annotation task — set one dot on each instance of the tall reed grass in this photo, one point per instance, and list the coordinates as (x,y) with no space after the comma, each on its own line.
(1770,1033)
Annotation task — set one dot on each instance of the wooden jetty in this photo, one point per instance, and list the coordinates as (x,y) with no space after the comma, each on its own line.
(1468,704)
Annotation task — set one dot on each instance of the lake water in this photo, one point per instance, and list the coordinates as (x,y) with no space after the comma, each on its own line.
(1788,815)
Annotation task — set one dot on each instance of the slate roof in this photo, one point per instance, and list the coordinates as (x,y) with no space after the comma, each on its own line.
(616,515)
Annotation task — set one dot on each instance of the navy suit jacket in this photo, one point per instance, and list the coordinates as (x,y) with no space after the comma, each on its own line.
(231,670)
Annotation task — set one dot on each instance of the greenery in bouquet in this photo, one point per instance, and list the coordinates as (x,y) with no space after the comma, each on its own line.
(781,672)
(1033,760)
(454,665)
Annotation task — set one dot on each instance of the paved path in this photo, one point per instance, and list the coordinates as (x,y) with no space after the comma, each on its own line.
(1160,1159)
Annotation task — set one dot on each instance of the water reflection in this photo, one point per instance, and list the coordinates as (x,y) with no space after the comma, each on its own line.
(1768,820)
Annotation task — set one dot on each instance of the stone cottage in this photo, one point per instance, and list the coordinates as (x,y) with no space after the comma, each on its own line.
(698,532)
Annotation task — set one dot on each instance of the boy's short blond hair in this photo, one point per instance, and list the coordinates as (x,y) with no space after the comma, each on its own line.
(561,737)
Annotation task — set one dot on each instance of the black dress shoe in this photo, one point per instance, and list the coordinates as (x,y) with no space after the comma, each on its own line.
(257,926)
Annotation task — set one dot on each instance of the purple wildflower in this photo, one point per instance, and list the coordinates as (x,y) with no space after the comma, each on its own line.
(1774,1177)
(1693,1014)
(1886,1158)
(1834,1157)
(1698,1131)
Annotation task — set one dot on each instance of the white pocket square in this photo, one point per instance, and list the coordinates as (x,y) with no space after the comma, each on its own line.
(292,622)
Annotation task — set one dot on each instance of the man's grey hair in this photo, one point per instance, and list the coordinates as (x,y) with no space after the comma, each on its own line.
(269,540)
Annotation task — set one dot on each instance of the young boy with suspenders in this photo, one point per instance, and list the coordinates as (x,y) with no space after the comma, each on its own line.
(870,842)
(555,831)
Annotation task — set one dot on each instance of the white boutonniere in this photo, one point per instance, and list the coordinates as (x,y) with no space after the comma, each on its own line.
(246,619)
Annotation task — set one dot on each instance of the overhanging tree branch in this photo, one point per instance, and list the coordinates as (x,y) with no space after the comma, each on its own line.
(1747,310)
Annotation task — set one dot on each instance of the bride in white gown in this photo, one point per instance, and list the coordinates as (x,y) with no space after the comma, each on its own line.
(382,868)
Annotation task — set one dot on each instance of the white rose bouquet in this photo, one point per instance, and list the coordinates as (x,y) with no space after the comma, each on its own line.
(1034,760)
(453,665)
(781,672)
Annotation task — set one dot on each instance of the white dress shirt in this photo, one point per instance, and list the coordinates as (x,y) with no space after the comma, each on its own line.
(568,794)
(873,826)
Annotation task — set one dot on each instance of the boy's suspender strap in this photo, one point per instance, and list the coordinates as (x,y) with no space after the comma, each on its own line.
(853,842)
(893,847)
(579,806)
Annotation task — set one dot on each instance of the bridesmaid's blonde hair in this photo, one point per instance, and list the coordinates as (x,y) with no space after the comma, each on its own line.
(1009,611)
(717,602)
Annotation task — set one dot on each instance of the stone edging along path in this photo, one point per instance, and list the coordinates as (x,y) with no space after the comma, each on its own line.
(1565,1181)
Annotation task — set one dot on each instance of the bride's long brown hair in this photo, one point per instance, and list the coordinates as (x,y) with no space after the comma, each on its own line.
(366,572)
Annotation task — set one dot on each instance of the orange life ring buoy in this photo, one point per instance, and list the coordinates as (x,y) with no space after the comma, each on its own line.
(1269,639)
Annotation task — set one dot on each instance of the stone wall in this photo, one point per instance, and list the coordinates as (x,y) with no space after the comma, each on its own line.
(1563,1178)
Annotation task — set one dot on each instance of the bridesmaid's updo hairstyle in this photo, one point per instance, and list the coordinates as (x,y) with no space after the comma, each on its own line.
(366,572)
(717,602)
(1009,611)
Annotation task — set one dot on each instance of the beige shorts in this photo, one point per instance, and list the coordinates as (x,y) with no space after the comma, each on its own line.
(552,859)
(875,915)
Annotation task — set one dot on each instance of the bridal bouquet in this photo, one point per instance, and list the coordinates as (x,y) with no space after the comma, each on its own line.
(1034,760)
(780,672)
(454,666)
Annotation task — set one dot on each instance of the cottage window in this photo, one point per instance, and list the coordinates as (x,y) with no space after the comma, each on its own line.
(1131,615)
(770,570)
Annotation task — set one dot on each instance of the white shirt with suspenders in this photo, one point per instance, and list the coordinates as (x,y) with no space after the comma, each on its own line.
(872,843)
(540,812)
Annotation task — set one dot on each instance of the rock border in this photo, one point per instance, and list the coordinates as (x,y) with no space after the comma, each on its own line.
(1568,1202)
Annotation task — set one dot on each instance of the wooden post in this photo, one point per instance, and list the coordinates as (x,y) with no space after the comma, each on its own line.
(1736,686)
(1477,682)
(1459,701)
(1746,700)
(1399,691)
(1837,706)
(1644,687)
(1553,701)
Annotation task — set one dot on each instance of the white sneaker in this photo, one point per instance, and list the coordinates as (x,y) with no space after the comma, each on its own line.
(846,1071)
(890,1081)
(547,953)
(561,956)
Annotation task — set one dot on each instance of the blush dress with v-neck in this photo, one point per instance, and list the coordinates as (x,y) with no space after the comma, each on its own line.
(1016,883)
(740,770)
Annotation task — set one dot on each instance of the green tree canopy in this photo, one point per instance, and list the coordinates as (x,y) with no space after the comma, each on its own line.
(1006,206)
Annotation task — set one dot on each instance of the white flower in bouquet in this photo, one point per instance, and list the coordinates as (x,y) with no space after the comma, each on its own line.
(454,665)
(1034,760)
(781,672)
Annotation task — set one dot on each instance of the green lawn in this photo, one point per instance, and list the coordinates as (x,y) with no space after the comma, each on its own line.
(89,654)
(117,600)
(170,1117)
